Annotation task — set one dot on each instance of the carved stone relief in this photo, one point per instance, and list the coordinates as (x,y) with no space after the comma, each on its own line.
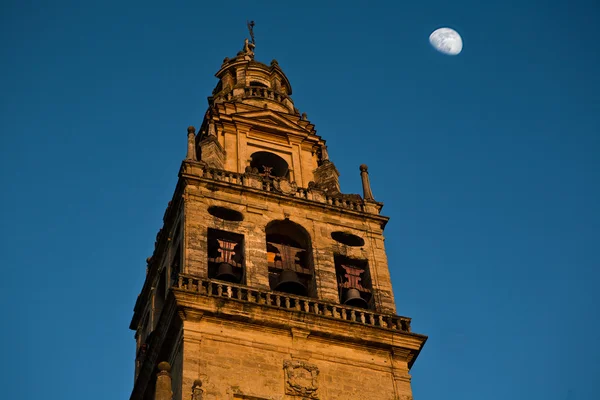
(285,186)
(301,379)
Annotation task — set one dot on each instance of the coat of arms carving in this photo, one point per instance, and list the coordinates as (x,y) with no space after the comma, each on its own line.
(301,379)
(285,186)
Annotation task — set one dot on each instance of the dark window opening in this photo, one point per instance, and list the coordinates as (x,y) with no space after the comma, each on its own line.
(256,83)
(218,88)
(348,239)
(159,295)
(176,267)
(289,259)
(354,282)
(225,213)
(225,256)
(270,164)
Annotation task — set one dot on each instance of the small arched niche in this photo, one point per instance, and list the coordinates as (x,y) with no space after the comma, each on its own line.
(348,239)
(289,258)
(270,163)
(226,214)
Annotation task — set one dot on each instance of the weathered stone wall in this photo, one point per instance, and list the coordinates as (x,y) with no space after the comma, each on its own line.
(234,358)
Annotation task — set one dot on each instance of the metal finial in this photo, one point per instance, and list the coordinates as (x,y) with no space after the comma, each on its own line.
(251,30)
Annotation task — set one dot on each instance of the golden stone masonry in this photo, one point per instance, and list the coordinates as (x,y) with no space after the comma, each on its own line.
(267,282)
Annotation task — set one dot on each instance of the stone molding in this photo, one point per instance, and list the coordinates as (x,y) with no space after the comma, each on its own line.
(213,297)
(314,194)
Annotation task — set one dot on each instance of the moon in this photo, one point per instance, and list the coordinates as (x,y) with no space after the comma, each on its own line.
(447,41)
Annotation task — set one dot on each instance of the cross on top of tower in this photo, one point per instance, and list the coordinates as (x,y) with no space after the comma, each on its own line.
(251,30)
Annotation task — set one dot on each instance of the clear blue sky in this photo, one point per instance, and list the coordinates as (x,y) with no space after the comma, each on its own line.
(488,164)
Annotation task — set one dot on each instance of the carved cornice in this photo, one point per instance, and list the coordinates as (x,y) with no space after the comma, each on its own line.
(188,314)
(318,318)
(195,173)
(278,123)
(247,114)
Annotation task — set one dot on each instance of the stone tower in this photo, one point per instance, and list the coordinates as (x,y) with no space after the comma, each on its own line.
(268,282)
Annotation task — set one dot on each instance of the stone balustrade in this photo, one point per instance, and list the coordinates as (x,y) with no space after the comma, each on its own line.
(282,186)
(214,288)
(266,93)
(255,91)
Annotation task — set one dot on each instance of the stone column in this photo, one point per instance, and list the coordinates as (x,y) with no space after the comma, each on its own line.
(191,149)
(194,361)
(163,382)
(364,174)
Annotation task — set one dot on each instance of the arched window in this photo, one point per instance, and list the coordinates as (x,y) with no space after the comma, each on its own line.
(270,163)
(289,258)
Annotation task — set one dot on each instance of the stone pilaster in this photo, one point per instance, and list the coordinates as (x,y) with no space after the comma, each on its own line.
(191,148)
(212,152)
(400,374)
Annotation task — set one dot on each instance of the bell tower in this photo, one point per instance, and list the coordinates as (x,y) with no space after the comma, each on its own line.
(266,281)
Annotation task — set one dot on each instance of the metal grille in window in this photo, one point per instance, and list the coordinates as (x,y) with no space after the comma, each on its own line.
(225,256)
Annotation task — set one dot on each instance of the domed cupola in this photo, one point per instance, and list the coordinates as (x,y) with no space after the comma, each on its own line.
(242,79)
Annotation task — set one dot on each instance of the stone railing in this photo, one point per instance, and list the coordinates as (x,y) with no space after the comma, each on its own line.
(259,91)
(283,186)
(254,91)
(285,301)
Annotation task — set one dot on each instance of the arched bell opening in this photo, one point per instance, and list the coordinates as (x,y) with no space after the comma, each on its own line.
(226,256)
(289,258)
(271,164)
(355,288)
